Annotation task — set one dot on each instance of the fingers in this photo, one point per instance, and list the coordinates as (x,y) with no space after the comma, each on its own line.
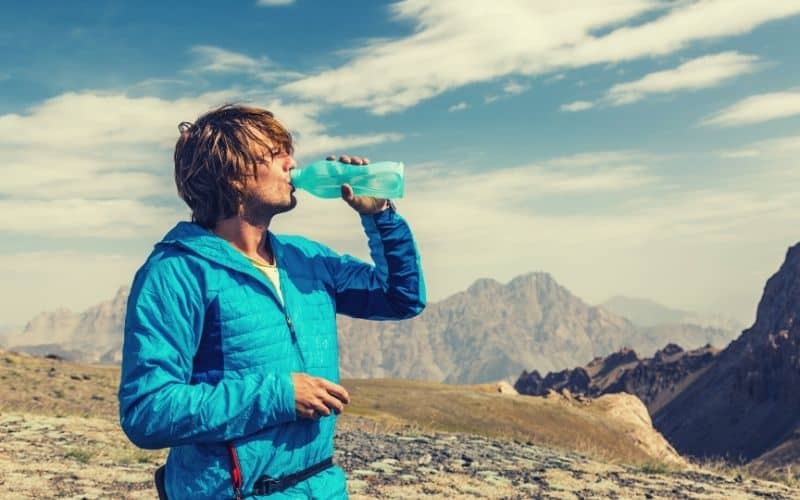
(321,407)
(316,397)
(337,391)
(329,403)
(347,193)
(353,160)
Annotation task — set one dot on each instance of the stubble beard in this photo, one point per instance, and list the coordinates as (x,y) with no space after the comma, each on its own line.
(259,212)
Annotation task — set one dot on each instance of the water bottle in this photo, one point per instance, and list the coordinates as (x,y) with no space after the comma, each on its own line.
(324,178)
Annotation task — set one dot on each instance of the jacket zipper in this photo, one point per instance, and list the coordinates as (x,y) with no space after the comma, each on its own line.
(281,305)
(294,340)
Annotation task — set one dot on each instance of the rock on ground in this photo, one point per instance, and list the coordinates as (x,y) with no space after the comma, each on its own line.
(89,458)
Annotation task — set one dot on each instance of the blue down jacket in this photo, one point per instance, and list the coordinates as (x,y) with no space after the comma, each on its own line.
(209,349)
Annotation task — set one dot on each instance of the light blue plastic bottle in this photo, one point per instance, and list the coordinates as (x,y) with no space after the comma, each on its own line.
(324,178)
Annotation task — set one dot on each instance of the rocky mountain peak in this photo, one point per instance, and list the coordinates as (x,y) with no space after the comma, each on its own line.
(121,297)
(614,360)
(534,279)
(483,286)
(748,401)
(540,285)
(46,327)
(777,318)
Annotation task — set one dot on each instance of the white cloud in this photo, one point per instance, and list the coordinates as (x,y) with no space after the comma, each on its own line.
(80,164)
(458,107)
(514,88)
(699,73)
(456,43)
(740,153)
(75,217)
(84,164)
(788,146)
(577,106)
(218,60)
(83,121)
(510,89)
(274,3)
(757,108)
(324,144)
(780,145)
(672,243)
(604,172)
(599,159)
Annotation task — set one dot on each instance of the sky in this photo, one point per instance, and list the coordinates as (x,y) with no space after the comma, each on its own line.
(644,148)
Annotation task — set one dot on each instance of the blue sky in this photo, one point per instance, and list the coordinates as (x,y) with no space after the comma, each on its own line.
(636,147)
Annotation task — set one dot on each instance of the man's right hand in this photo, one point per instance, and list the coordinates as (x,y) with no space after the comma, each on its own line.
(315,397)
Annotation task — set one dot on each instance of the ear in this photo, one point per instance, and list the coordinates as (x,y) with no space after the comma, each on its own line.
(238,185)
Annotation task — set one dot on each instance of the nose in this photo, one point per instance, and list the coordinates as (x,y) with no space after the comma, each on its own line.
(291,163)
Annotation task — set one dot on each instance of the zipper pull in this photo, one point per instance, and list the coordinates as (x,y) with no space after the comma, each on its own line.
(291,328)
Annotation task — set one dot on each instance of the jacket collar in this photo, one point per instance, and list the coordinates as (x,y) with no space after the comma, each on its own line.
(206,244)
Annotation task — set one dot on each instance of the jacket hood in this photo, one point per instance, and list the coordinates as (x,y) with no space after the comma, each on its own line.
(200,241)
(206,244)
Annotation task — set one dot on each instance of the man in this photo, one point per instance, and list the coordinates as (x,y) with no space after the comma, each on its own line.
(230,355)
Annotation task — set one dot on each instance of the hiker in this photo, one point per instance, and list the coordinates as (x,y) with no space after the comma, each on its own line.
(230,354)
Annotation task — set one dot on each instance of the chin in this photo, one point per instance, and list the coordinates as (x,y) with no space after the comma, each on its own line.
(290,205)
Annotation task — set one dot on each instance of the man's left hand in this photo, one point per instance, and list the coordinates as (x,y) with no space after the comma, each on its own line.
(361,204)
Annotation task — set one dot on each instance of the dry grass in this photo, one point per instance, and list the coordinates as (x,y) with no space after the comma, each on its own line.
(788,475)
(52,387)
(62,389)
(471,410)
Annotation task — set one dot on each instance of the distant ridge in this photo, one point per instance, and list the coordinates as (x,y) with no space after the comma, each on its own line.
(648,313)
(93,336)
(494,331)
(490,331)
(654,380)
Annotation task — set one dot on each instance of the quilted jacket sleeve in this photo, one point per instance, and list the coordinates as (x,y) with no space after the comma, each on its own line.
(159,407)
(392,288)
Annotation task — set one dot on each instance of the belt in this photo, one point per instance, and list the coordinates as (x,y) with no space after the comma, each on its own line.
(266,485)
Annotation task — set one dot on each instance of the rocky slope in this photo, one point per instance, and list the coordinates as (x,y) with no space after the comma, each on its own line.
(617,426)
(88,458)
(59,437)
(489,332)
(748,403)
(654,380)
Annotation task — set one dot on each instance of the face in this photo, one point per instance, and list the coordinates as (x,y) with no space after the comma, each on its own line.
(270,191)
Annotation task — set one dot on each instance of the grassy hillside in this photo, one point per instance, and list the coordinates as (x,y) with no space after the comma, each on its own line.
(64,416)
(480,410)
(51,387)
(58,388)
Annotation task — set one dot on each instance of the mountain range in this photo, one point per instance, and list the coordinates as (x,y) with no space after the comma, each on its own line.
(654,380)
(741,403)
(494,331)
(647,313)
(491,331)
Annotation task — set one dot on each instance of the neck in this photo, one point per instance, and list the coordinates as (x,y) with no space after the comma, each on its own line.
(249,238)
